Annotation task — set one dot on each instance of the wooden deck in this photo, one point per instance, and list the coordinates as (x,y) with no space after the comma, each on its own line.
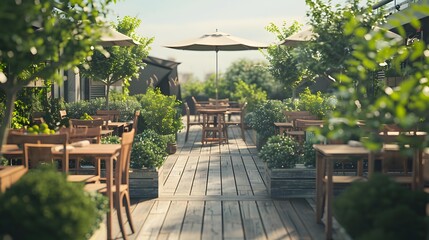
(218,192)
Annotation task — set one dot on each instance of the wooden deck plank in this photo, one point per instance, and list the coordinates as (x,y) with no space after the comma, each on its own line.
(185,185)
(214,185)
(212,226)
(173,180)
(139,215)
(199,186)
(254,175)
(252,223)
(228,178)
(173,221)
(154,220)
(271,220)
(193,221)
(232,224)
(305,212)
(242,182)
(292,221)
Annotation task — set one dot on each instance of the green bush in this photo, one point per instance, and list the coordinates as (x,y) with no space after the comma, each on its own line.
(249,93)
(317,104)
(280,152)
(263,118)
(308,156)
(113,139)
(382,209)
(126,107)
(149,150)
(44,205)
(161,113)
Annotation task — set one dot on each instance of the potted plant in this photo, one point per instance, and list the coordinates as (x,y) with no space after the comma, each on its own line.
(281,155)
(147,156)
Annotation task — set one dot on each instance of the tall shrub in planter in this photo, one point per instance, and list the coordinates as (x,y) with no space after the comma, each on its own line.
(161,113)
(148,150)
(262,119)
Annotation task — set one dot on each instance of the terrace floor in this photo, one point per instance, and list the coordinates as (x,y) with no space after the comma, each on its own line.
(218,192)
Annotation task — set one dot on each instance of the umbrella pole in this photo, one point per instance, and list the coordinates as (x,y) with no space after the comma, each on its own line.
(217,74)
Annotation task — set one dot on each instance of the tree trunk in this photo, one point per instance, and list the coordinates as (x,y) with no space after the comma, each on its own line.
(107,96)
(5,124)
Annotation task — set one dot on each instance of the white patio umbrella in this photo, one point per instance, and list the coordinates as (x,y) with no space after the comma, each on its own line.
(111,37)
(217,41)
(307,34)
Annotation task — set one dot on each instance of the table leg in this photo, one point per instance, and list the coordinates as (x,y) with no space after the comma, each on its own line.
(109,183)
(319,185)
(329,198)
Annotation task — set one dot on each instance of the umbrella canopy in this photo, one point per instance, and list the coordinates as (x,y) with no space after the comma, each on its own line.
(307,34)
(111,37)
(299,38)
(217,41)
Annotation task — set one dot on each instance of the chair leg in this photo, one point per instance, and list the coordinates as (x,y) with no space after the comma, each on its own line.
(119,205)
(127,209)
(187,133)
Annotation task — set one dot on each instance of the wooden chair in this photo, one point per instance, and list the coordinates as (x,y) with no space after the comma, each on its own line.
(301,126)
(37,117)
(63,114)
(214,127)
(197,107)
(134,124)
(113,115)
(240,121)
(75,123)
(219,102)
(78,136)
(121,188)
(52,139)
(60,140)
(189,123)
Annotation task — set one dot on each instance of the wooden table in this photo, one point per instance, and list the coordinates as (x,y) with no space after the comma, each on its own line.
(325,157)
(107,152)
(217,127)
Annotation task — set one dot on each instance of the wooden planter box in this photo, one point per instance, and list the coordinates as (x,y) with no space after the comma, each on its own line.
(144,183)
(291,183)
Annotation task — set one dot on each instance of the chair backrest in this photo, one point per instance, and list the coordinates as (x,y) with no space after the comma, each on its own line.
(92,134)
(219,102)
(136,120)
(37,153)
(63,114)
(188,112)
(52,139)
(113,115)
(75,123)
(123,163)
(303,124)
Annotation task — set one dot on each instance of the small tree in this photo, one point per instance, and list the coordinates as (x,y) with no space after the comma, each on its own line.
(39,38)
(284,60)
(119,63)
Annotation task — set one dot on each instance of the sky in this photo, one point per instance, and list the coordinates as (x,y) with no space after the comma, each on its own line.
(171,21)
